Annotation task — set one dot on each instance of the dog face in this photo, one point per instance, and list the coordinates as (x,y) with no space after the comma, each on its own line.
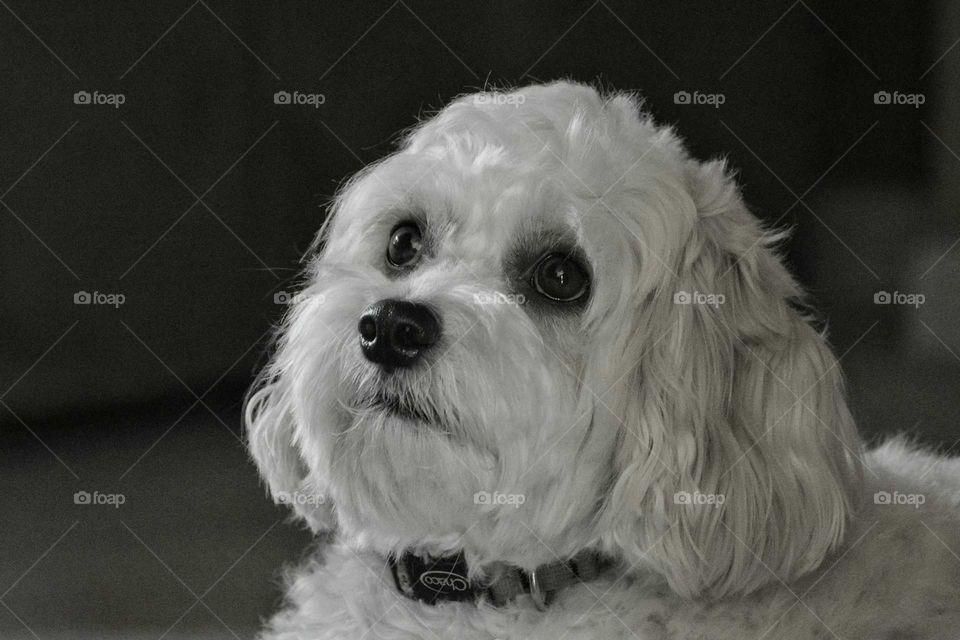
(541,326)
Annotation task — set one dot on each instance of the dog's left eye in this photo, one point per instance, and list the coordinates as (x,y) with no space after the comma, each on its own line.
(405,244)
(561,278)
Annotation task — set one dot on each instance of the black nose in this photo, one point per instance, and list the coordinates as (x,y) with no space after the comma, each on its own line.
(396,333)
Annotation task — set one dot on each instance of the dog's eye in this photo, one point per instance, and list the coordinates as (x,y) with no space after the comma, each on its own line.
(560,278)
(405,243)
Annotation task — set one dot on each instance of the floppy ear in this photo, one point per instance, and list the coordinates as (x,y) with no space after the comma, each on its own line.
(271,424)
(273,443)
(738,456)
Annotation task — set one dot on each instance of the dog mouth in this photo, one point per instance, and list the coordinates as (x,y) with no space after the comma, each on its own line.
(400,407)
(422,417)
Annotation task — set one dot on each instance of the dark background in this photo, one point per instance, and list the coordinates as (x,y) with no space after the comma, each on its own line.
(143,400)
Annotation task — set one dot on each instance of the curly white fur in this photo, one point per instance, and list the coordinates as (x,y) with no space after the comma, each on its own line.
(598,417)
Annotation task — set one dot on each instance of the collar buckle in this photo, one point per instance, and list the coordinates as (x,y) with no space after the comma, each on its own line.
(537,593)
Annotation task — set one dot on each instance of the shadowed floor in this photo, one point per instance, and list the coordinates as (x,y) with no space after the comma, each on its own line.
(193,511)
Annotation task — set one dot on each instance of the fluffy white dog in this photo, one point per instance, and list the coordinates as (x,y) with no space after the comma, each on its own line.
(549,379)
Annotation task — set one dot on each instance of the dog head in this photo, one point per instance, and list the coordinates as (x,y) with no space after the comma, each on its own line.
(541,326)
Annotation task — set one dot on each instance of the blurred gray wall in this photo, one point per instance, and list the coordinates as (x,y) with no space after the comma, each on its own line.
(112,207)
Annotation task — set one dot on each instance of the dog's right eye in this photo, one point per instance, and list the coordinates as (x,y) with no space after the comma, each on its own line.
(405,245)
(561,278)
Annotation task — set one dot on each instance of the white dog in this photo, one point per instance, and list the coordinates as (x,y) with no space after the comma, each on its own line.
(549,379)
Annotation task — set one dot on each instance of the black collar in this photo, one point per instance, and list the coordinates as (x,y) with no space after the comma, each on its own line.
(444,579)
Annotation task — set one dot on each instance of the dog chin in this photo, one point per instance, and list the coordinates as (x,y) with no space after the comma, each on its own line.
(406,469)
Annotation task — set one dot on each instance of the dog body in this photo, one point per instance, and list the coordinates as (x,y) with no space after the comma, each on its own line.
(895,585)
(541,328)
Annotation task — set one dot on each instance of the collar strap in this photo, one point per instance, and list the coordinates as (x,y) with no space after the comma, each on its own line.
(444,579)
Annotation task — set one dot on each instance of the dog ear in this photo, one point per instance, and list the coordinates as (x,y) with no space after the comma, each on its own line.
(738,456)
(272,440)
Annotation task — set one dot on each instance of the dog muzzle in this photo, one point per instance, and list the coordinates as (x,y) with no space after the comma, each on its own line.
(444,579)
